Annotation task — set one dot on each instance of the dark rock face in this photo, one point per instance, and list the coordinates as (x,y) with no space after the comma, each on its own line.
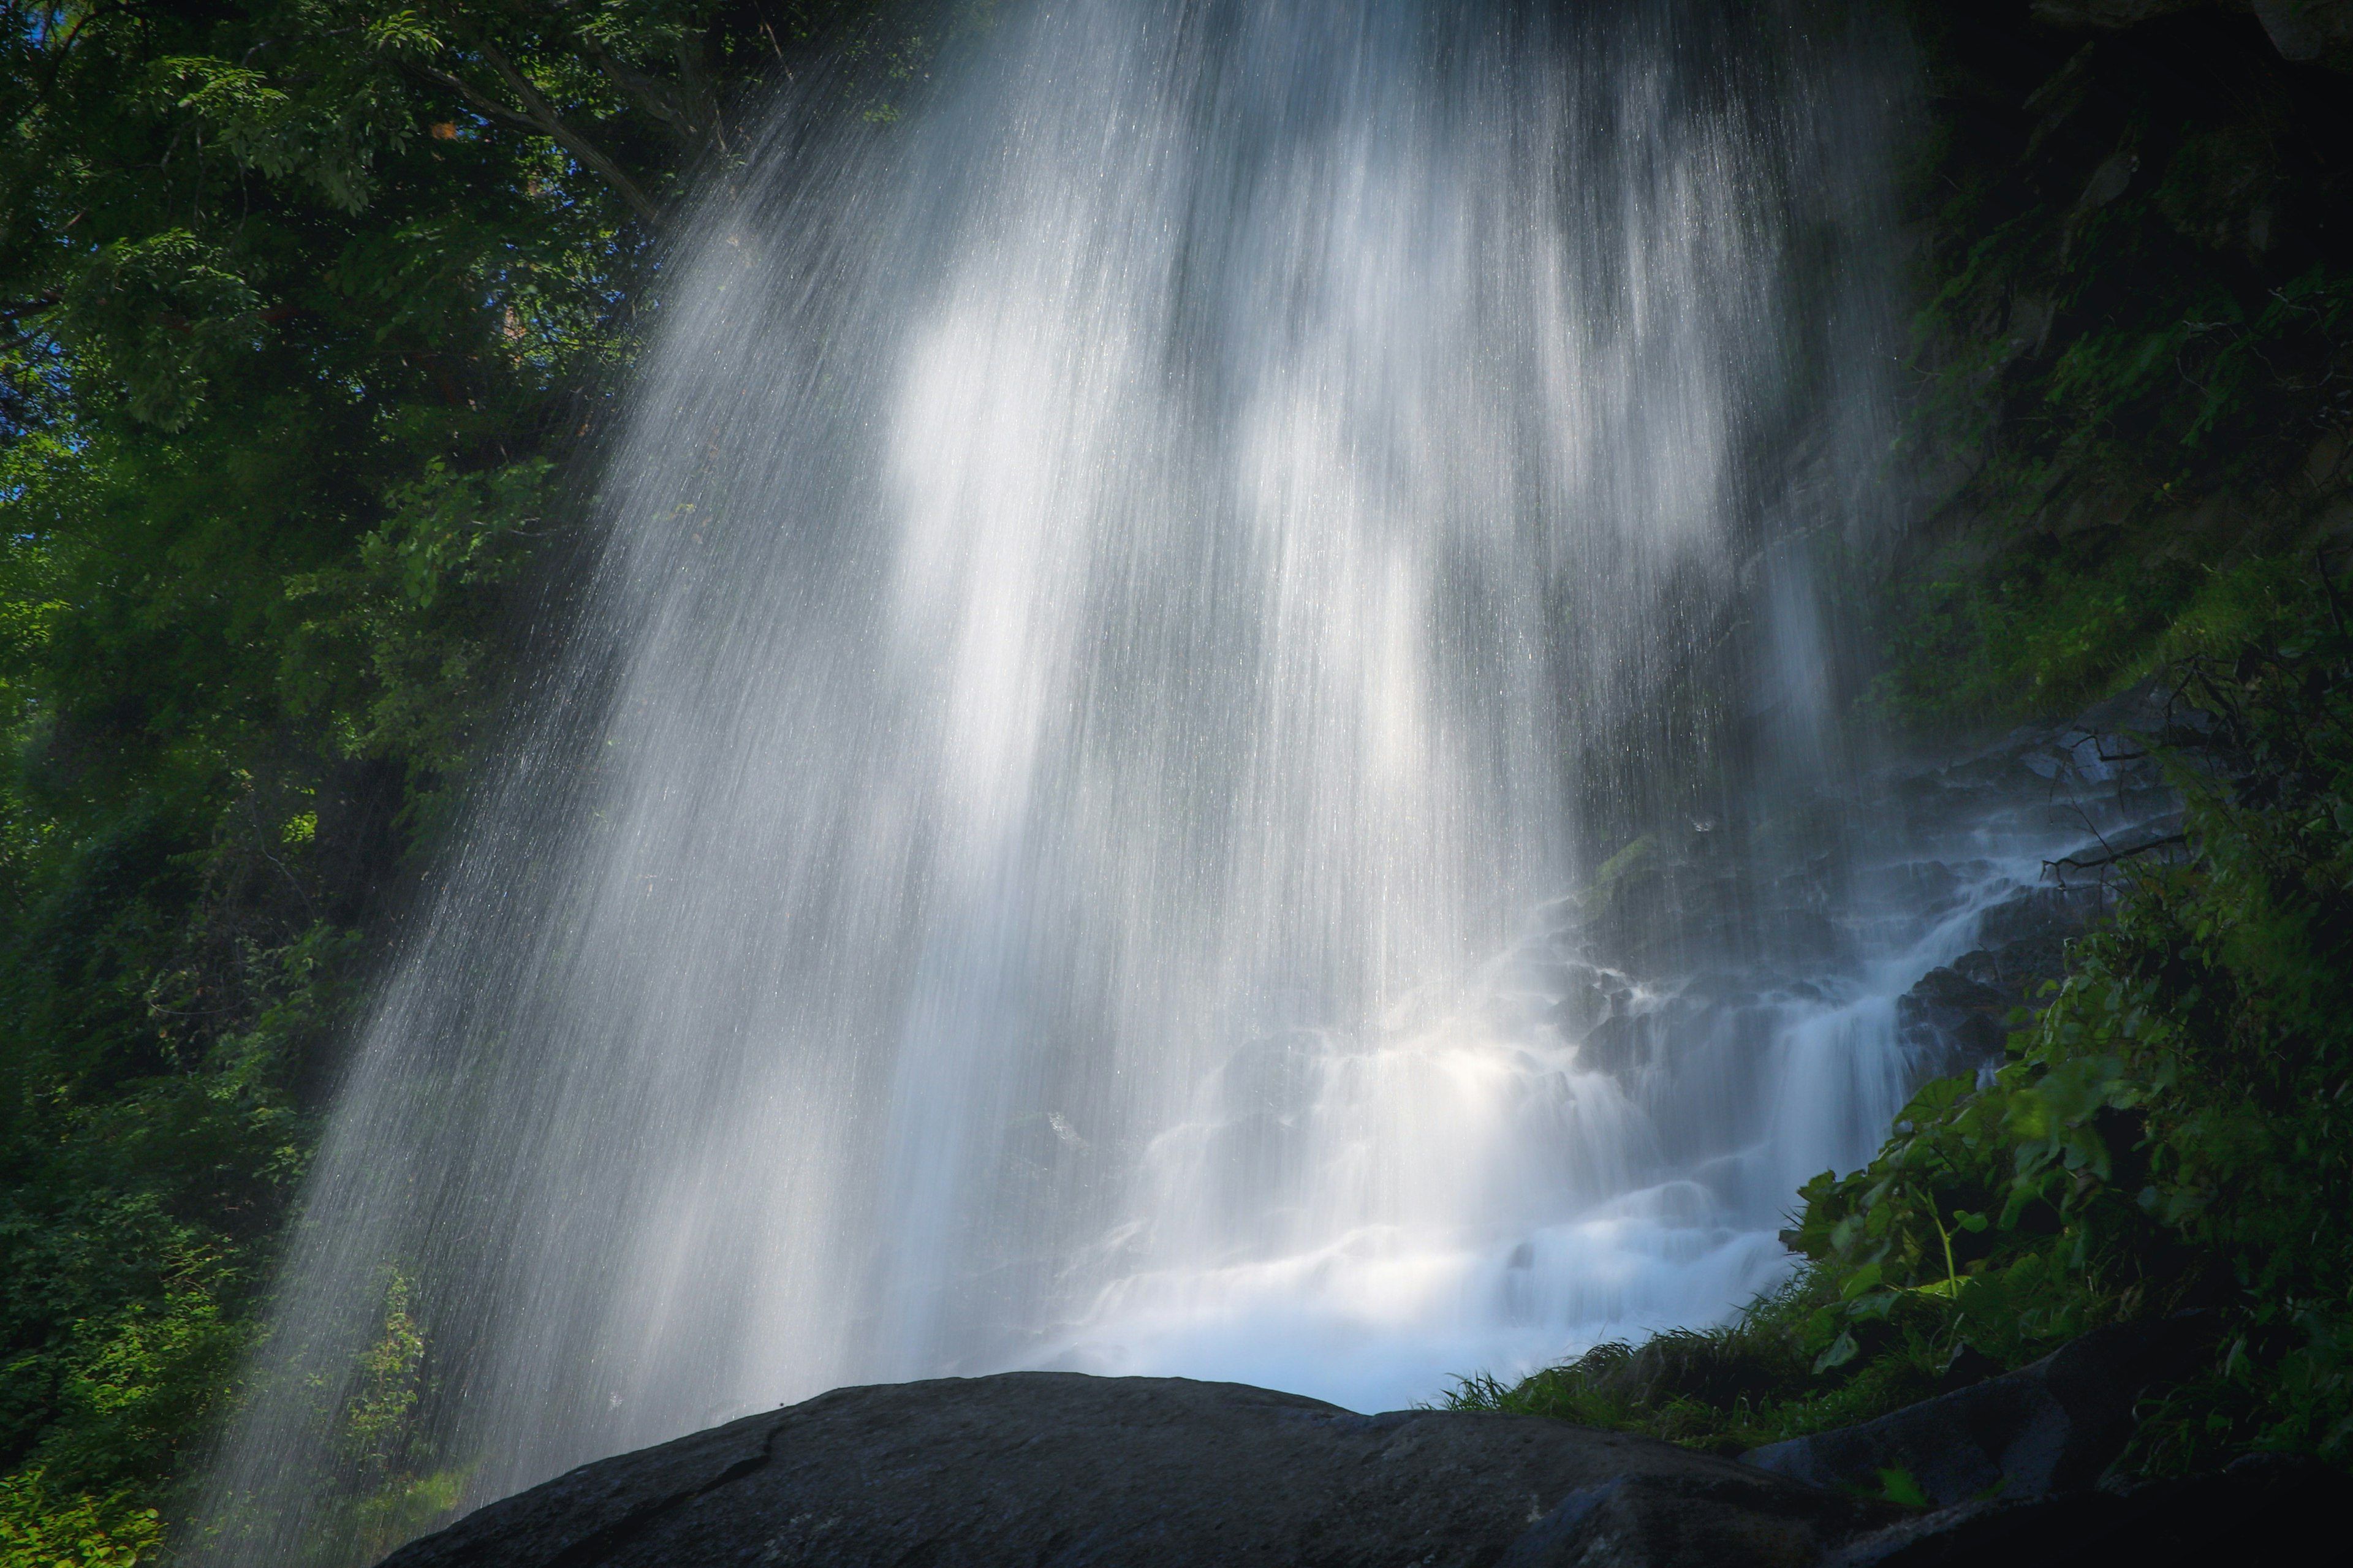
(1956,1018)
(2047,1428)
(1064,1470)
(2093,774)
(2263,1509)
(1952,1022)
(2299,30)
(1060,1470)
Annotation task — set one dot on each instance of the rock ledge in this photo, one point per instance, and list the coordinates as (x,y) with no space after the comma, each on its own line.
(1065,1469)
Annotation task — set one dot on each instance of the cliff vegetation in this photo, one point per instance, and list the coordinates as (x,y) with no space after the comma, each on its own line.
(306,307)
(2134,395)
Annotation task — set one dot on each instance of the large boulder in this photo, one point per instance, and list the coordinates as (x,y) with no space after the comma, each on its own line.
(2048,1428)
(2019,1467)
(1065,1469)
(2263,1509)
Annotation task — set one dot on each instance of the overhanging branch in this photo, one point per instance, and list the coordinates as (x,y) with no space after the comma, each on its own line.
(2113,856)
(542,114)
(539,115)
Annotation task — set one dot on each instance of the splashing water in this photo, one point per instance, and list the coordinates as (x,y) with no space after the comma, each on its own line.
(1201,745)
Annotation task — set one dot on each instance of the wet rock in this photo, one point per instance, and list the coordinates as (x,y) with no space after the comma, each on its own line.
(2025,939)
(1950,1022)
(2044,1429)
(1588,996)
(1927,888)
(1056,1467)
(2011,972)
(1956,1018)
(1965,1368)
(1621,1045)
(2038,914)
(2096,765)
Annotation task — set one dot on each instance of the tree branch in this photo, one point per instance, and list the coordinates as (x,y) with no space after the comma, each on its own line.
(2079,863)
(481,100)
(652,96)
(538,115)
(544,115)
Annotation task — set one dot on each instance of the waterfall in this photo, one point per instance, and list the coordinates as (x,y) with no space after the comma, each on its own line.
(1203,742)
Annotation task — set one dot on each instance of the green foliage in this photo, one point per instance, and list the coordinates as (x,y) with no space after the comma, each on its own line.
(2050,633)
(376,1423)
(1720,1390)
(42,1529)
(304,305)
(2173,1131)
(404,1491)
(397,647)
(2135,349)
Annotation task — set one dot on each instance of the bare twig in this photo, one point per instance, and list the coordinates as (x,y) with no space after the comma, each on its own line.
(2080,863)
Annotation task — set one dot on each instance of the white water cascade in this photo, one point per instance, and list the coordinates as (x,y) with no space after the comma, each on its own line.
(1202,744)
